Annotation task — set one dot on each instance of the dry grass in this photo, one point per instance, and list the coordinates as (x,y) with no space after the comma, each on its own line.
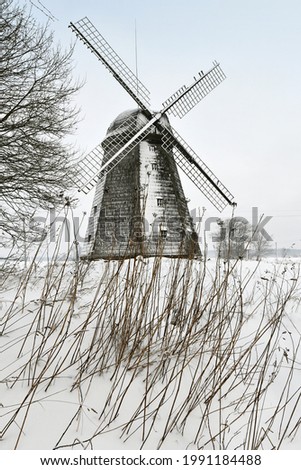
(203,352)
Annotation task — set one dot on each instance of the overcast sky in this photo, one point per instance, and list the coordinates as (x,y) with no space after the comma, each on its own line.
(247,130)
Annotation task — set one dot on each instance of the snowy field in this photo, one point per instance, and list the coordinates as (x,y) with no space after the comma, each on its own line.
(151,354)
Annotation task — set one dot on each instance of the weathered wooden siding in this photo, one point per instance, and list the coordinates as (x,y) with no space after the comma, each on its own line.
(140,208)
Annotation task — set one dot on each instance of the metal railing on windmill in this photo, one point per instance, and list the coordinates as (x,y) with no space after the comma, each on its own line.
(168,149)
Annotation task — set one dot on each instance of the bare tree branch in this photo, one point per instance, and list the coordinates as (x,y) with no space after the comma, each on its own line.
(37,114)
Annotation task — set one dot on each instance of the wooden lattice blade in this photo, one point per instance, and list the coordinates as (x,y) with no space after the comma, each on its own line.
(88,170)
(198,172)
(92,38)
(183,100)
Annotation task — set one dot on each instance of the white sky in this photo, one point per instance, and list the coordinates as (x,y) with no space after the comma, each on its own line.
(247,130)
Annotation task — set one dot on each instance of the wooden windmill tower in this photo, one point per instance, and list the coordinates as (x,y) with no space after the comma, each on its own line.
(139,205)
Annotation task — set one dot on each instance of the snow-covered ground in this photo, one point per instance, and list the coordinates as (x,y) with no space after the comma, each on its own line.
(151,353)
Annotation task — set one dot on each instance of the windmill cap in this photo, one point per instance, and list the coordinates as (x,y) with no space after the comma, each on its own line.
(125,121)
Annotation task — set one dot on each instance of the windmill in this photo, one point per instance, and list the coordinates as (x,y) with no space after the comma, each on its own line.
(139,206)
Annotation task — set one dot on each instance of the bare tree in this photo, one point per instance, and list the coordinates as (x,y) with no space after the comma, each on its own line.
(232,238)
(37,114)
(237,238)
(260,246)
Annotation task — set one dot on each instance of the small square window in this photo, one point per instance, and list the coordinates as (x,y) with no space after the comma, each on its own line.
(152,148)
(154,166)
(160,202)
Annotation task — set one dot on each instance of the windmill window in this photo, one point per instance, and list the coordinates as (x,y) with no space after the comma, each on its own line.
(152,148)
(89,238)
(154,166)
(163,232)
(95,209)
(160,202)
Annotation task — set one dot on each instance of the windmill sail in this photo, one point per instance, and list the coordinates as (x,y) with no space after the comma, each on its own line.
(198,172)
(88,169)
(183,100)
(92,38)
